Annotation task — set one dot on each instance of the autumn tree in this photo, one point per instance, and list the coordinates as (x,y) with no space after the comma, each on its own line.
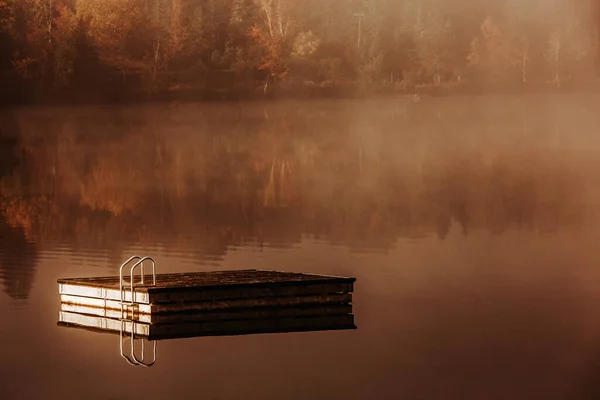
(166,31)
(64,49)
(569,44)
(111,25)
(436,49)
(524,36)
(42,31)
(274,34)
(241,52)
(32,26)
(491,56)
(370,45)
(422,42)
(6,44)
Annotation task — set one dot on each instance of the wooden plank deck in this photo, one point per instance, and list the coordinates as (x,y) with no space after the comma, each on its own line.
(216,286)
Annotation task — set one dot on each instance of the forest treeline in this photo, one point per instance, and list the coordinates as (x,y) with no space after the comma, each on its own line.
(111,48)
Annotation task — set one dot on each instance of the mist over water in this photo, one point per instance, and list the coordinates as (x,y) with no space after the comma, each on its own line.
(469,222)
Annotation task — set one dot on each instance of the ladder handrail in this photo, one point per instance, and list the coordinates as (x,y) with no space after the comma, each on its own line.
(140,262)
(135,362)
(121,276)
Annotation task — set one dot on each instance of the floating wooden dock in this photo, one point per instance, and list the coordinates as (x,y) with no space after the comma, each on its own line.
(171,306)
(208,291)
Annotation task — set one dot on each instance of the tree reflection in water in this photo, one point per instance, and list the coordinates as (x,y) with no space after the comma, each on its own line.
(194,178)
(18,261)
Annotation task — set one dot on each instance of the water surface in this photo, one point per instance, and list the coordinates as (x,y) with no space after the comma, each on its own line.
(469,223)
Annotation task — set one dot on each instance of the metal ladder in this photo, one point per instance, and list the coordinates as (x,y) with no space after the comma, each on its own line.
(128,311)
(140,263)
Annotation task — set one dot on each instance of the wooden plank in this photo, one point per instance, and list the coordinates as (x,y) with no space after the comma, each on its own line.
(210,328)
(100,303)
(109,313)
(102,293)
(211,305)
(235,314)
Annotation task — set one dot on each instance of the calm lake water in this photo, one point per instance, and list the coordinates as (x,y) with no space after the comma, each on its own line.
(469,223)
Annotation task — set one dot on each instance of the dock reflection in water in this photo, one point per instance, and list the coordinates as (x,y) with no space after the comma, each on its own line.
(151,328)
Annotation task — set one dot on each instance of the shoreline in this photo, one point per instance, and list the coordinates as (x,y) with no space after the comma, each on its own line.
(289,91)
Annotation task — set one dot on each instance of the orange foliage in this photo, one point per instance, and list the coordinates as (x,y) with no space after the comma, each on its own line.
(48,29)
(25,213)
(4,9)
(64,22)
(272,60)
(23,66)
(177,31)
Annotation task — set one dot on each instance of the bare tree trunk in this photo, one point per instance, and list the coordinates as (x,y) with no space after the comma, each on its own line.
(267,8)
(50,21)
